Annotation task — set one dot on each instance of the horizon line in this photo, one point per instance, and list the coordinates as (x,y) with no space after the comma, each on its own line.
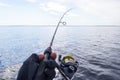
(65,25)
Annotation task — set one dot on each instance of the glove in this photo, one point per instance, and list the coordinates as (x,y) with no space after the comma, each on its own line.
(50,69)
(48,50)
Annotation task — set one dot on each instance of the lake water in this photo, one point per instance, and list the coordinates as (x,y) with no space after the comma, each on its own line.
(97,49)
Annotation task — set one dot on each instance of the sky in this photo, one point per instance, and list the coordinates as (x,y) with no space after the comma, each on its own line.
(48,12)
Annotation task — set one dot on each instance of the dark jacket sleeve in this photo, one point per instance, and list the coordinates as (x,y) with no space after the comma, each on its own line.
(29,68)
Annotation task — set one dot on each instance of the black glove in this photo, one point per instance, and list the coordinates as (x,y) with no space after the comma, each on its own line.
(50,69)
(29,67)
(48,50)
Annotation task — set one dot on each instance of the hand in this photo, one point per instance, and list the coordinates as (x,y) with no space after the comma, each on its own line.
(48,50)
(50,69)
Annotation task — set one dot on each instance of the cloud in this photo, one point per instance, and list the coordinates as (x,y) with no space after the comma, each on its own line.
(72,14)
(53,7)
(97,7)
(103,11)
(31,1)
(85,12)
(5,5)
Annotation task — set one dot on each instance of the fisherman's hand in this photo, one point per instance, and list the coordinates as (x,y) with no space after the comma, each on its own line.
(48,50)
(50,69)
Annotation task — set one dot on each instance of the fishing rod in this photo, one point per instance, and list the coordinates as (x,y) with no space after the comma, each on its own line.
(51,43)
(46,52)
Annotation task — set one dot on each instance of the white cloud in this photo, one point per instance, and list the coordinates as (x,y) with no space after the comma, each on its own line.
(53,7)
(85,12)
(104,11)
(97,7)
(5,5)
(92,11)
(56,7)
(32,1)
(72,14)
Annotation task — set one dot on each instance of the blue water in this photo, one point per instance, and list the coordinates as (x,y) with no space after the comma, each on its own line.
(97,48)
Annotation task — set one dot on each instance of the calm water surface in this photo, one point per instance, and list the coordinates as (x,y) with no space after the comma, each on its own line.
(97,49)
